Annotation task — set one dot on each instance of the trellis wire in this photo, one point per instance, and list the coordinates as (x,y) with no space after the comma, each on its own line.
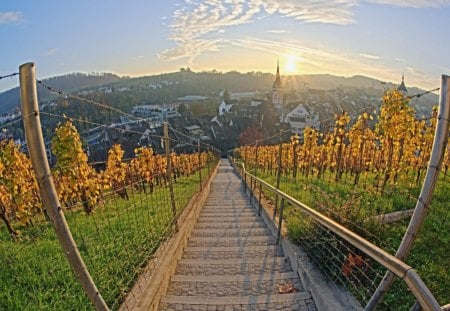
(117,240)
(408,195)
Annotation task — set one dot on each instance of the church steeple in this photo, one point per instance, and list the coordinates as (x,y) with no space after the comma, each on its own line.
(402,87)
(277,92)
(277,82)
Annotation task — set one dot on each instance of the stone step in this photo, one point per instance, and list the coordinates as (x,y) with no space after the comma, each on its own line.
(242,213)
(231,232)
(242,266)
(235,210)
(229,252)
(232,218)
(228,199)
(230,225)
(231,241)
(222,209)
(223,286)
(301,301)
(229,217)
(227,205)
(231,261)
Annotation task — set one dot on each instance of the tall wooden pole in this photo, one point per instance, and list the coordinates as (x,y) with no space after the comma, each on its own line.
(36,148)
(169,171)
(280,150)
(199,164)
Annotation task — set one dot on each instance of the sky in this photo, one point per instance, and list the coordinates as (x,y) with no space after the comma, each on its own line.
(382,39)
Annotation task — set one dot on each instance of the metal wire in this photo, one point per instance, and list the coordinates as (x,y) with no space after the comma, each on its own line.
(117,239)
(9,75)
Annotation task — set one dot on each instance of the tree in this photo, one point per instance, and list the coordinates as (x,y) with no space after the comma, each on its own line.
(19,197)
(395,122)
(75,180)
(116,171)
(226,96)
(339,134)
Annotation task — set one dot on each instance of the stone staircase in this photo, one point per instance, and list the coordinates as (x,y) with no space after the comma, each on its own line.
(232,261)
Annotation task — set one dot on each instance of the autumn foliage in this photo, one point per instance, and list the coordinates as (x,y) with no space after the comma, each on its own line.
(389,145)
(77,183)
(19,199)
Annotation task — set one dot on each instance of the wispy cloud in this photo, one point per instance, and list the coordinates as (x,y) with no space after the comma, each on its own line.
(326,61)
(193,21)
(418,77)
(197,26)
(277,31)
(369,56)
(413,3)
(51,52)
(7,17)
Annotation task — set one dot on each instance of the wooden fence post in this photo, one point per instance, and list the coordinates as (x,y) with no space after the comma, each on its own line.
(280,150)
(38,155)
(199,162)
(169,172)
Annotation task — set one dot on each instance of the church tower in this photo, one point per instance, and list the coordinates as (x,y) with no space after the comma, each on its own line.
(402,87)
(277,90)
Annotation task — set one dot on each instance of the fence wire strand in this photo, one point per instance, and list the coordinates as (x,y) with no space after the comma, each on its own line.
(117,231)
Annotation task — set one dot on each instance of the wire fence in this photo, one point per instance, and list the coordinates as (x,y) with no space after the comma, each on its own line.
(120,209)
(9,75)
(353,186)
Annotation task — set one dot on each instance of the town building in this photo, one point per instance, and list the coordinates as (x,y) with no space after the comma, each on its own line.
(301,117)
(402,87)
(277,91)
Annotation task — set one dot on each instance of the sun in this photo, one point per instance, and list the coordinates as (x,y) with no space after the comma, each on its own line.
(291,64)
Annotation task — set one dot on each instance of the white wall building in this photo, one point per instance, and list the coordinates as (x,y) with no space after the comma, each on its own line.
(224,108)
(163,112)
(299,118)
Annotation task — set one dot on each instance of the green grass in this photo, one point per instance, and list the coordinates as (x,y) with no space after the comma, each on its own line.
(116,242)
(356,207)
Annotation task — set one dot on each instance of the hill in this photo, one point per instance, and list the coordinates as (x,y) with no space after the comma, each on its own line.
(124,93)
(10,100)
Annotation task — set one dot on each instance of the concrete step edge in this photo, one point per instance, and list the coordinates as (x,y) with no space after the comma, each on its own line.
(247,248)
(243,300)
(234,278)
(232,239)
(234,261)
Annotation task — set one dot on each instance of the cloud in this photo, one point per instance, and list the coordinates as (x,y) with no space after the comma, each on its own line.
(320,60)
(194,23)
(51,52)
(421,78)
(8,17)
(191,50)
(417,4)
(277,31)
(317,11)
(369,56)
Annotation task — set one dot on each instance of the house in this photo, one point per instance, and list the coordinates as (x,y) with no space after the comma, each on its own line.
(224,108)
(194,130)
(162,113)
(300,117)
(192,98)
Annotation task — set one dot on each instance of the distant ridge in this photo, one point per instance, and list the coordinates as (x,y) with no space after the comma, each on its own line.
(207,83)
(10,100)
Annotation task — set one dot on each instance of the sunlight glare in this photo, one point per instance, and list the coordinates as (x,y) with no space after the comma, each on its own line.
(291,64)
